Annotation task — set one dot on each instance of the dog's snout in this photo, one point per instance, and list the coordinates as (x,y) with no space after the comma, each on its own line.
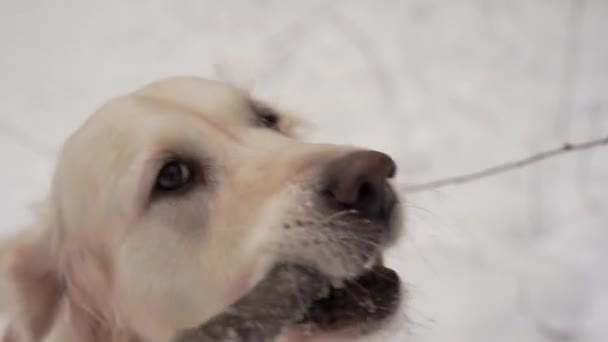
(358,181)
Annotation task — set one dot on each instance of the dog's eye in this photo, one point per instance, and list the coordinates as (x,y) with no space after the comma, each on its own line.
(173,175)
(265,116)
(269,120)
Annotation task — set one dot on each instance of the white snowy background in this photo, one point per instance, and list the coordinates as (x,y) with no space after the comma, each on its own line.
(445,86)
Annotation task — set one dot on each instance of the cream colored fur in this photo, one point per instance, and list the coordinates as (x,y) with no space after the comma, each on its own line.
(106,262)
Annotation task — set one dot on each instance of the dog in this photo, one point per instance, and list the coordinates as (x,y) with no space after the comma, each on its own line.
(173,201)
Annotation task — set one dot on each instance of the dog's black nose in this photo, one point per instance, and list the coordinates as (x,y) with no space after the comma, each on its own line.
(358,181)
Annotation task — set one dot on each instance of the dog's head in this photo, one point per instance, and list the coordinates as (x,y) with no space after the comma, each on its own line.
(172,202)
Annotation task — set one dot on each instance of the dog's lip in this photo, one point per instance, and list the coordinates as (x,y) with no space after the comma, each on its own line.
(372,296)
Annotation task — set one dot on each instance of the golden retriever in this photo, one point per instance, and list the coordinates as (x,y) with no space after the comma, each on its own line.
(173,201)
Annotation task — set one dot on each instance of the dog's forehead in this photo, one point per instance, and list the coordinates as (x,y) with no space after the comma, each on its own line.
(212,99)
(135,121)
(169,110)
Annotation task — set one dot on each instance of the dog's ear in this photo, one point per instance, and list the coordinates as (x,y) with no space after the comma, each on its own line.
(33,284)
(47,268)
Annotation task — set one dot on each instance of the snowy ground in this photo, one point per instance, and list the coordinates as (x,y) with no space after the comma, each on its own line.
(446,86)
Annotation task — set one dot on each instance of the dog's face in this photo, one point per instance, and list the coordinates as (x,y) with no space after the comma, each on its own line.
(188,191)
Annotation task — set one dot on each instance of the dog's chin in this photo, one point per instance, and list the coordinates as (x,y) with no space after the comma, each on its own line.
(367,298)
(358,306)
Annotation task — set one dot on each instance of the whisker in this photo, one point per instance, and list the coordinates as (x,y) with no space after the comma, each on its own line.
(337,215)
(367,257)
(359,239)
(297,292)
(364,289)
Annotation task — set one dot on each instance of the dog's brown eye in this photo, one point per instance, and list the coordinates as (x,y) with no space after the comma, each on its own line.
(265,116)
(173,176)
(269,120)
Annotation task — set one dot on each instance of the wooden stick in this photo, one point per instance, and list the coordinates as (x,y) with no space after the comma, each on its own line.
(281,299)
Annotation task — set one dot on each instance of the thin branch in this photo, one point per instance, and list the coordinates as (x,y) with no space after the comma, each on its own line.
(510,166)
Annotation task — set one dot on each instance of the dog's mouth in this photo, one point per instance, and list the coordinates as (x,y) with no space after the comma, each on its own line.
(363,301)
(375,293)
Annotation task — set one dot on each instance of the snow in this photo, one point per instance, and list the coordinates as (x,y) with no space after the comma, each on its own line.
(445,86)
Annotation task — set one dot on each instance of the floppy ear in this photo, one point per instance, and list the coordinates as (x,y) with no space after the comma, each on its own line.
(49,268)
(35,288)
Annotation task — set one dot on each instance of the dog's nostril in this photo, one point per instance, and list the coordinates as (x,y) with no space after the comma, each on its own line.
(358,180)
(366,192)
(391,171)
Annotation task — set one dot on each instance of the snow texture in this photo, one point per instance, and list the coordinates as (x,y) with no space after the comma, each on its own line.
(445,86)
